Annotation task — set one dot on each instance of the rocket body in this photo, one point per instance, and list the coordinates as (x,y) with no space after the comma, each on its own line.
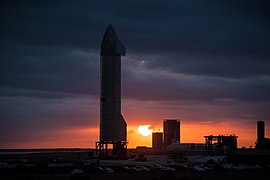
(112,124)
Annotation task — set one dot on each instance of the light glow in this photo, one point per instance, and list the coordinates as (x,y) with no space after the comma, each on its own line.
(145,130)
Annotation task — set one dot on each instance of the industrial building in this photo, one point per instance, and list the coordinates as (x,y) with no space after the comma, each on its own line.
(262,143)
(157,141)
(177,152)
(113,127)
(221,144)
(171,129)
(187,148)
(260,134)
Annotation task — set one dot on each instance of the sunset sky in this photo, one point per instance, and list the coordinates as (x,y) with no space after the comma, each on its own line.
(206,63)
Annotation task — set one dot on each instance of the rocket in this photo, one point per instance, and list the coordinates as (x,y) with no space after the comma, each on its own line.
(113,127)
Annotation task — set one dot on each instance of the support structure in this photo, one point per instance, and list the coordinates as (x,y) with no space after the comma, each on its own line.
(221,144)
(118,151)
(113,127)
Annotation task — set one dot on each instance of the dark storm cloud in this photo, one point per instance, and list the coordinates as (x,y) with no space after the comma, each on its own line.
(213,53)
(230,66)
(201,60)
(54,45)
(47,24)
(163,26)
(30,118)
(161,84)
(199,26)
(67,70)
(42,113)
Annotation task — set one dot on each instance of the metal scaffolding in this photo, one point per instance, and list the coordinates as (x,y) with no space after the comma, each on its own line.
(221,144)
(118,151)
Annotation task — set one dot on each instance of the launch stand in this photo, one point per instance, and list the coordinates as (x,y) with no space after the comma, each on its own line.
(119,150)
(113,127)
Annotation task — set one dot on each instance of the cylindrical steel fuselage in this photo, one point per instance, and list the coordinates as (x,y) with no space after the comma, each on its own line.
(110,97)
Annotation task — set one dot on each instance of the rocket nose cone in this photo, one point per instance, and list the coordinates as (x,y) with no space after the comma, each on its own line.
(109,33)
(110,43)
(109,37)
(110,29)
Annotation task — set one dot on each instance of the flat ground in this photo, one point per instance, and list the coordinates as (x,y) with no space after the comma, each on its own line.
(40,171)
(213,175)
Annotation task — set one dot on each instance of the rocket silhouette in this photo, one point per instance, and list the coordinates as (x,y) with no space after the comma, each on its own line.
(113,126)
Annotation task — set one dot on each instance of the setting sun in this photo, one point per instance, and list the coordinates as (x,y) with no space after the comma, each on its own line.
(145,130)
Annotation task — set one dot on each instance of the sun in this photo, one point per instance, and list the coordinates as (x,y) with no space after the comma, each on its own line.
(145,130)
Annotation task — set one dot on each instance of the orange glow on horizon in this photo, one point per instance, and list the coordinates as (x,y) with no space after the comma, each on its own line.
(189,133)
(136,139)
(194,133)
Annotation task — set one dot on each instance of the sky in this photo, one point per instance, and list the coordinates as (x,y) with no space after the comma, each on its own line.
(206,63)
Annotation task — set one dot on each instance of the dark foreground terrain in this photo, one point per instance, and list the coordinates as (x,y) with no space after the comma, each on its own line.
(256,175)
(79,164)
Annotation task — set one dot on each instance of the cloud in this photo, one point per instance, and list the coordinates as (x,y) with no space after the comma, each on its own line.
(163,26)
(205,50)
(31,117)
(195,112)
(68,70)
(161,83)
(237,66)
(194,59)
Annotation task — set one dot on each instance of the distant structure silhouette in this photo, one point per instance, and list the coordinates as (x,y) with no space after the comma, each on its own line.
(221,144)
(260,134)
(171,128)
(157,141)
(113,127)
(262,142)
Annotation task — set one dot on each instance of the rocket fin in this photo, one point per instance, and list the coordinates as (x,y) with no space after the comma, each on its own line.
(122,128)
